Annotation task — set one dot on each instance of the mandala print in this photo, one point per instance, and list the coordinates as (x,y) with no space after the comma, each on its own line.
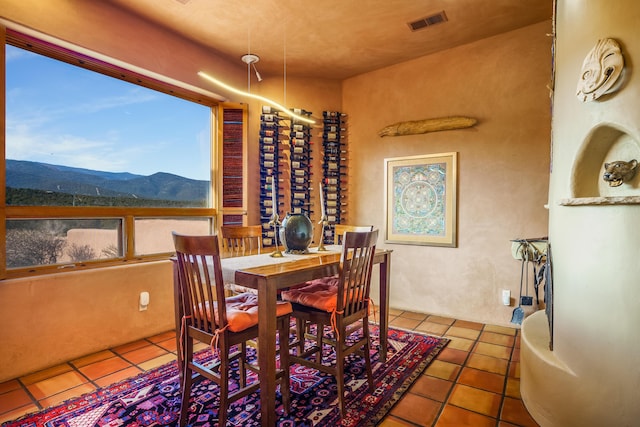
(418,200)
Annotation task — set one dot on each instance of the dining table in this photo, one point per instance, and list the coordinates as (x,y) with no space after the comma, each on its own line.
(269,274)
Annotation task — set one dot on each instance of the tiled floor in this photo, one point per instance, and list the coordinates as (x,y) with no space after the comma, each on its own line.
(475,381)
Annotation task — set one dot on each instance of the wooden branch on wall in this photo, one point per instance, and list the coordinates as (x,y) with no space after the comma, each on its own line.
(427,125)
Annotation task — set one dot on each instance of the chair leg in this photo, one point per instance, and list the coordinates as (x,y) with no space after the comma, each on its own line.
(186,381)
(224,385)
(300,333)
(340,371)
(242,370)
(319,335)
(283,336)
(367,352)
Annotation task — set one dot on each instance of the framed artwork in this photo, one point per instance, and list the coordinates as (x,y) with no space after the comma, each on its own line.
(420,199)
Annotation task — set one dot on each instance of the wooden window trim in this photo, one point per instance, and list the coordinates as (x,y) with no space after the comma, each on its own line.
(126,214)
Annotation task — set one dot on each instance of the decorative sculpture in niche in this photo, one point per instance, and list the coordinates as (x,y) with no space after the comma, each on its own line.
(427,125)
(600,70)
(615,173)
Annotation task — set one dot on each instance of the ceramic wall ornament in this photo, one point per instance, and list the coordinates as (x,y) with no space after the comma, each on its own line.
(601,70)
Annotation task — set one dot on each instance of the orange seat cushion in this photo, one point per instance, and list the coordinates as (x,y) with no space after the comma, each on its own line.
(242,310)
(320,293)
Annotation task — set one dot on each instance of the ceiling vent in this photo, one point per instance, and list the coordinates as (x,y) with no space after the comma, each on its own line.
(428,21)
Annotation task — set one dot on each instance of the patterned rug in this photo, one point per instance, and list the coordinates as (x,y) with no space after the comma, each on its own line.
(153,398)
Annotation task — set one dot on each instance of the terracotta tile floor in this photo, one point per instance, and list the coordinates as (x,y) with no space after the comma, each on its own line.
(475,381)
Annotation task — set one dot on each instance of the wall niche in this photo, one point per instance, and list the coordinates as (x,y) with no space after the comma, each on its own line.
(605,143)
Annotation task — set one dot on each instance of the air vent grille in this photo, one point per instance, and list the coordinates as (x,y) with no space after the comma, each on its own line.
(428,21)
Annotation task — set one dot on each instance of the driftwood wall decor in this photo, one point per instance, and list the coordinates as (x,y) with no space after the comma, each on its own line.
(427,125)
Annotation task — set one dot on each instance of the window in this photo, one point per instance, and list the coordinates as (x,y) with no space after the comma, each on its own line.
(101,163)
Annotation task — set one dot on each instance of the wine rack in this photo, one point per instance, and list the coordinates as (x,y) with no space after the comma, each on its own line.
(271,134)
(334,169)
(300,165)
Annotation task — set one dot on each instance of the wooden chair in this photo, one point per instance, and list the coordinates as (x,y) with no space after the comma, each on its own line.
(241,240)
(343,305)
(341,228)
(238,240)
(221,322)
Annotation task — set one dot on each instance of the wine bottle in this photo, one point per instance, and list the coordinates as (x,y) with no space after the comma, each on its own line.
(298,150)
(295,164)
(301,112)
(299,180)
(268,179)
(335,196)
(333,158)
(334,181)
(333,136)
(267,109)
(301,157)
(270,171)
(334,211)
(300,195)
(271,125)
(269,118)
(333,114)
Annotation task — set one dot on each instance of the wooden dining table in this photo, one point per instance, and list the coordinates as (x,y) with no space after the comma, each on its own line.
(268,275)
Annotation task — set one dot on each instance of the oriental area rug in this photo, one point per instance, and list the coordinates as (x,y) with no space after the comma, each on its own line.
(153,398)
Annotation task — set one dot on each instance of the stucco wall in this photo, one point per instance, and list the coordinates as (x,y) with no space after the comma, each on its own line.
(503,165)
(595,248)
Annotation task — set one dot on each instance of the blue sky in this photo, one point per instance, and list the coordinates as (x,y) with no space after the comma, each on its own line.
(61,114)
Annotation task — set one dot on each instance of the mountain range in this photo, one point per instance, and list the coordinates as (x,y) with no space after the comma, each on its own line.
(78,181)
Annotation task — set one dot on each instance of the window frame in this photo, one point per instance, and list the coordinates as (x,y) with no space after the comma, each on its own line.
(127,215)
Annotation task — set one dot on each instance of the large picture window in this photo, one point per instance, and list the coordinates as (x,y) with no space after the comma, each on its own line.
(100,163)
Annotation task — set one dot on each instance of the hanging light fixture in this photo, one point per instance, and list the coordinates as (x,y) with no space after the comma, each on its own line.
(251,60)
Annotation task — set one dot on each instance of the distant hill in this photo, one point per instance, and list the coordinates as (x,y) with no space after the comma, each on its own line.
(78,181)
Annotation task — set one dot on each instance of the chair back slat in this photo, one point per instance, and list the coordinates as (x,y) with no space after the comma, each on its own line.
(340,229)
(241,240)
(356,264)
(200,281)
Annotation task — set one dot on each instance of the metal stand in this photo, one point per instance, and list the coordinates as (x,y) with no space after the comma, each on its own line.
(275,222)
(323,221)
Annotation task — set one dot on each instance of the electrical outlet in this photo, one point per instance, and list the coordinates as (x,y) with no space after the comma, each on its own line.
(506,297)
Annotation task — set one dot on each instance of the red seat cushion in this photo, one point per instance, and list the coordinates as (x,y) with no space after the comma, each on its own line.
(320,293)
(242,310)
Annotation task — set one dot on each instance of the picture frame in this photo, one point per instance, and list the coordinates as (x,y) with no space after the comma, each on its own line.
(421,199)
